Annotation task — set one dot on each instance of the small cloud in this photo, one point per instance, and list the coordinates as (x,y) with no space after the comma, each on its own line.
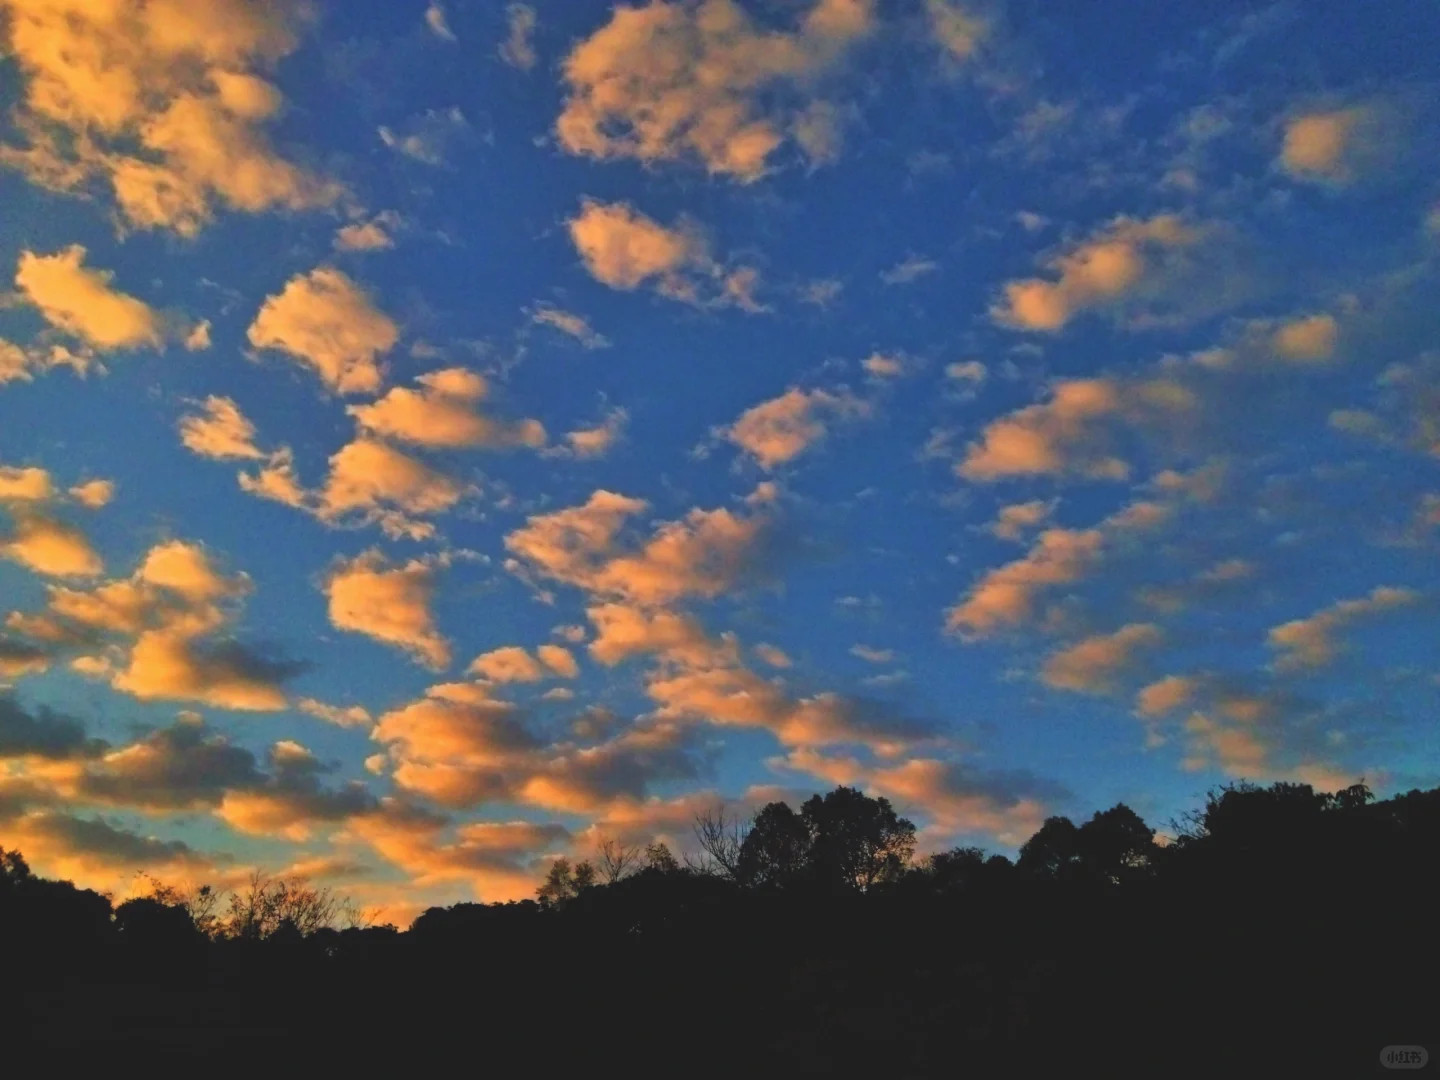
(909,269)
(567,322)
(825,291)
(971,371)
(1031,222)
(772,655)
(879,366)
(427,137)
(437,22)
(872,655)
(93,494)
(198,339)
(372,235)
(518,49)
(1330,147)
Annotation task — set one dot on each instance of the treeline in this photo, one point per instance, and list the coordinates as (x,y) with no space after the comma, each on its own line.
(1280,929)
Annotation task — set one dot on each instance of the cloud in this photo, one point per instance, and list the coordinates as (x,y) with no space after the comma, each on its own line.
(559,660)
(373,235)
(325,320)
(705,554)
(959,32)
(438,24)
(428,137)
(443,414)
(880,366)
(161,102)
(594,442)
(701,82)
(1074,432)
(1164,696)
(94,853)
(508,664)
(1328,147)
(908,270)
(93,494)
(1129,258)
(29,484)
(1094,665)
(43,734)
(624,249)
(567,322)
(460,747)
(734,696)
(518,48)
(624,631)
(220,431)
(971,371)
(390,604)
(1307,339)
(340,715)
(872,655)
(773,655)
(159,634)
(779,430)
(50,547)
(366,476)
(81,301)
(1310,642)
(1013,521)
(1005,597)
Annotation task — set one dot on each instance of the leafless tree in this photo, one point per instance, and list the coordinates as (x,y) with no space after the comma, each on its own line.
(201,903)
(617,860)
(265,904)
(720,837)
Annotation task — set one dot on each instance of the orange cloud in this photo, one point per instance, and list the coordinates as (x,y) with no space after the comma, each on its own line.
(391,605)
(1074,431)
(81,301)
(677,82)
(781,429)
(624,249)
(220,431)
(93,494)
(1310,642)
(325,320)
(50,547)
(508,664)
(1093,666)
(1012,522)
(706,553)
(1126,258)
(1005,597)
(1325,145)
(443,414)
(160,101)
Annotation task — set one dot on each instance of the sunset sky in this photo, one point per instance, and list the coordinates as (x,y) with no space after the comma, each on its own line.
(435,438)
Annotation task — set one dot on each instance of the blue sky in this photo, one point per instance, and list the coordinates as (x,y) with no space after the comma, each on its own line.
(1003,408)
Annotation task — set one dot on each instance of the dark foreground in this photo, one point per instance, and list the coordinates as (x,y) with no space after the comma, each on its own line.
(1281,940)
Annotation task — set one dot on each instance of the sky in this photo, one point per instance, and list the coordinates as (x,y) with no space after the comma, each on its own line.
(437,438)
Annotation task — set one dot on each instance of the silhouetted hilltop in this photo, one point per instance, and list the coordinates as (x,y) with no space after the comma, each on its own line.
(1282,932)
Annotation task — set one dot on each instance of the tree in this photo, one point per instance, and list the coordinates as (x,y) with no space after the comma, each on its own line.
(775,849)
(1116,844)
(856,841)
(266,905)
(1052,850)
(659,859)
(721,839)
(616,860)
(565,882)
